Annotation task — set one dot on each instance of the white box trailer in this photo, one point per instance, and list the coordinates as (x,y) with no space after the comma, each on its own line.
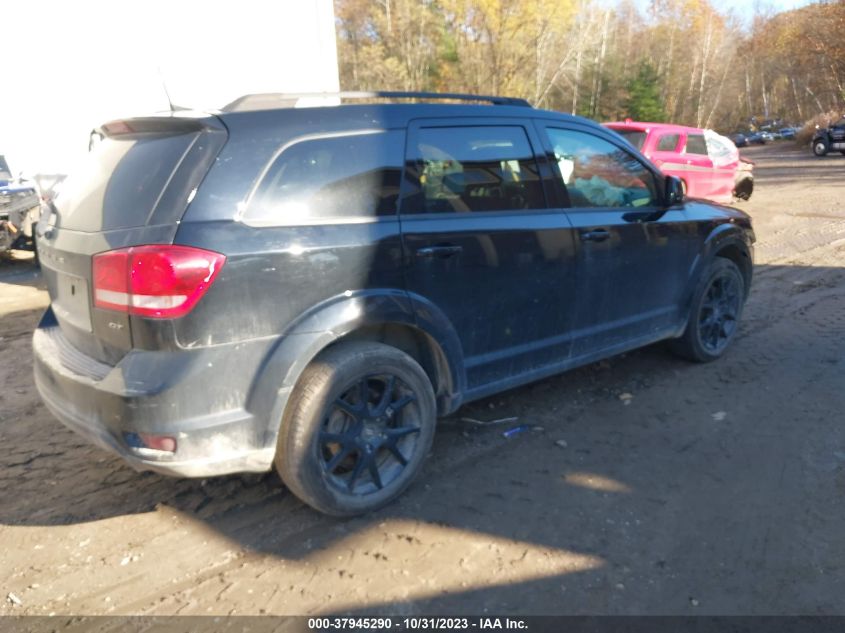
(79,64)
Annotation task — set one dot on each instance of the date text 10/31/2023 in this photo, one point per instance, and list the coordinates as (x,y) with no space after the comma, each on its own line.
(416,623)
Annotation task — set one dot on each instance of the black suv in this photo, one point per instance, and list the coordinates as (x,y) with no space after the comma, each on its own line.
(312,287)
(829,138)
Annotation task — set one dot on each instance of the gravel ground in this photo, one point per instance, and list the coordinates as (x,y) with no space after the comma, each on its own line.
(713,489)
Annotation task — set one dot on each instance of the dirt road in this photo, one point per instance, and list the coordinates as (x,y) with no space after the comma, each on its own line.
(716,489)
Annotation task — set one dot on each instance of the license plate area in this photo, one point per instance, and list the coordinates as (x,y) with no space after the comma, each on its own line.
(70,300)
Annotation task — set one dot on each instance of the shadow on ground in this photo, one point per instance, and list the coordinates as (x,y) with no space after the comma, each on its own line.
(732,469)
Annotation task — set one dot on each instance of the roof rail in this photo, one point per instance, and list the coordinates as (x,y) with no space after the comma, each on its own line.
(263,101)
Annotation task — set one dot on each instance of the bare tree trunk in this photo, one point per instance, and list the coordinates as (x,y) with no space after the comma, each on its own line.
(708,38)
(595,97)
(690,86)
(835,76)
(748,101)
(576,81)
(670,59)
(797,100)
(719,93)
(765,96)
(815,98)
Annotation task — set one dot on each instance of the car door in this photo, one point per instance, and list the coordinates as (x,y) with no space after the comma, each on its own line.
(484,247)
(666,154)
(698,167)
(837,134)
(633,255)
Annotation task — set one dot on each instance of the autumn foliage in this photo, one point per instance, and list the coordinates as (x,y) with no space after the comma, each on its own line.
(690,62)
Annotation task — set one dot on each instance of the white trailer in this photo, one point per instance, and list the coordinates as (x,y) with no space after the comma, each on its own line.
(79,64)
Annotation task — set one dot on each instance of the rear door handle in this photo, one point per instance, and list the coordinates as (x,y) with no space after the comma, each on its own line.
(441,251)
(597,235)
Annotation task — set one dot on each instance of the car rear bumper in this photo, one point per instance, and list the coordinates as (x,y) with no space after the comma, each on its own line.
(198,397)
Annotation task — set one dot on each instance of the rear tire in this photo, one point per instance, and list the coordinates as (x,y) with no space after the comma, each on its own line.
(714,314)
(744,189)
(820,147)
(357,429)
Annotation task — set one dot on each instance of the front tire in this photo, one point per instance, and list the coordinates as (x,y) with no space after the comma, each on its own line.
(820,147)
(715,313)
(357,429)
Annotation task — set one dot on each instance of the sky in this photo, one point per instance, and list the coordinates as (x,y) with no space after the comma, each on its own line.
(745,9)
(71,66)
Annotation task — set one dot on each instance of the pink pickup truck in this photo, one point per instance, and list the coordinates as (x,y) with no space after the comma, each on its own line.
(708,164)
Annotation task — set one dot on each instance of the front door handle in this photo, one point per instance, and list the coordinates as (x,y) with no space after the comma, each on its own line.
(441,251)
(597,235)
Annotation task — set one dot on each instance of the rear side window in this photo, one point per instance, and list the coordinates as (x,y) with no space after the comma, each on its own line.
(597,173)
(696,144)
(120,181)
(348,176)
(460,169)
(667,143)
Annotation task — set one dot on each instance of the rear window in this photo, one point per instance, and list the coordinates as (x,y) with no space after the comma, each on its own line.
(634,137)
(348,176)
(119,183)
(667,143)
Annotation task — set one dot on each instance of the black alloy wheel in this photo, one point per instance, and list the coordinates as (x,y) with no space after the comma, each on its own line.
(357,428)
(718,316)
(368,434)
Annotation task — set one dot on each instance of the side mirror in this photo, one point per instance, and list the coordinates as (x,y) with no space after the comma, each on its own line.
(674,192)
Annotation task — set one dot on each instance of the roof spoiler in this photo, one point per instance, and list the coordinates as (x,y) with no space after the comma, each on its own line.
(287,100)
(155,125)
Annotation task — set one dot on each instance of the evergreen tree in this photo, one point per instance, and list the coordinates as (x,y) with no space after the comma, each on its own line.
(644,102)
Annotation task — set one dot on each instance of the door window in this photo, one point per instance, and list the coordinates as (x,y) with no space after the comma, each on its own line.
(597,173)
(483,168)
(667,143)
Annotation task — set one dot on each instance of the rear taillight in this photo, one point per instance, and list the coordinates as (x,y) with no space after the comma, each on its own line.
(160,281)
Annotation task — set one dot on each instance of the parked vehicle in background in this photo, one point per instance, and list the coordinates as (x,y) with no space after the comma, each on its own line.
(829,139)
(258,302)
(788,133)
(725,155)
(740,140)
(684,152)
(19,210)
(760,138)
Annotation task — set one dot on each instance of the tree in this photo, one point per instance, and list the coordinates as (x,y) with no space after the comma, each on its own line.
(644,102)
(691,62)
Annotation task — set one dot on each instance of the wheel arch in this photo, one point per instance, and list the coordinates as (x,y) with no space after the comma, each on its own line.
(393,317)
(419,345)
(726,240)
(737,252)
